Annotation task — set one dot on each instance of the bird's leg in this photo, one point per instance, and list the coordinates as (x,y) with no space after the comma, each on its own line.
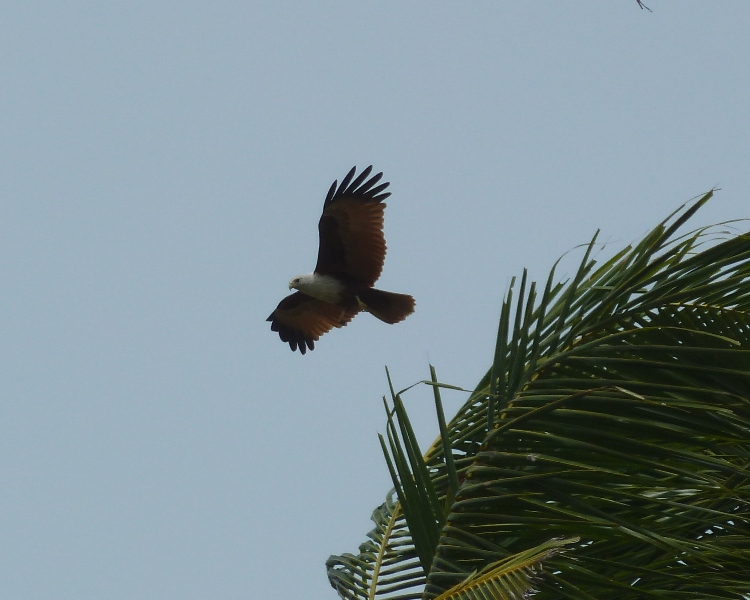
(362,306)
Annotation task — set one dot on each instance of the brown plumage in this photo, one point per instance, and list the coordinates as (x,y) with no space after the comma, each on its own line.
(350,259)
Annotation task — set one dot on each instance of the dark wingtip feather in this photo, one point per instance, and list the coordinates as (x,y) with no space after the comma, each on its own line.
(303,345)
(375,191)
(359,187)
(345,181)
(361,177)
(365,188)
(296,339)
(331,192)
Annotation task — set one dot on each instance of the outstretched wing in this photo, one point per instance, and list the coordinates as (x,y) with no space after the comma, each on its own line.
(352,246)
(301,319)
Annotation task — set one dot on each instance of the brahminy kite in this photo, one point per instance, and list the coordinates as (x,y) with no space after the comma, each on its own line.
(350,258)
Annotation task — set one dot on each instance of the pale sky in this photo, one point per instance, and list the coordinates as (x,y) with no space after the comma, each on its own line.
(162,170)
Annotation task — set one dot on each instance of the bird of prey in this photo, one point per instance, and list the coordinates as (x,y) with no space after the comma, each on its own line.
(350,259)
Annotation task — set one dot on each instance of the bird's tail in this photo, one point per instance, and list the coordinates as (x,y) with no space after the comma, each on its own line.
(387,306)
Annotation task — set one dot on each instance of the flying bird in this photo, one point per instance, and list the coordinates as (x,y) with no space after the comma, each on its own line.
(350,259)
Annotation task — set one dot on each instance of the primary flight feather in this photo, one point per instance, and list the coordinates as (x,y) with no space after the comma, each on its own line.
(350,259)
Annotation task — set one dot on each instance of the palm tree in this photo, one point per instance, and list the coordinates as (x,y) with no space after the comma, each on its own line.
(606,452)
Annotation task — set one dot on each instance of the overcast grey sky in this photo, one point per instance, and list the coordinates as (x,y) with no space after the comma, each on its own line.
(162,169)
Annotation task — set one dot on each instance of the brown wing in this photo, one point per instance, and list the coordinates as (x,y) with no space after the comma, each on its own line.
(301,319)
(352,246)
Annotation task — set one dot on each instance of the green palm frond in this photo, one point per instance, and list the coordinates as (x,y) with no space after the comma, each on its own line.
(512,578)
(616,410)
(387,562)
(423,511)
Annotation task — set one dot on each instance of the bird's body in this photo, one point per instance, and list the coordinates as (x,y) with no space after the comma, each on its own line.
(323,287)
(350,260)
